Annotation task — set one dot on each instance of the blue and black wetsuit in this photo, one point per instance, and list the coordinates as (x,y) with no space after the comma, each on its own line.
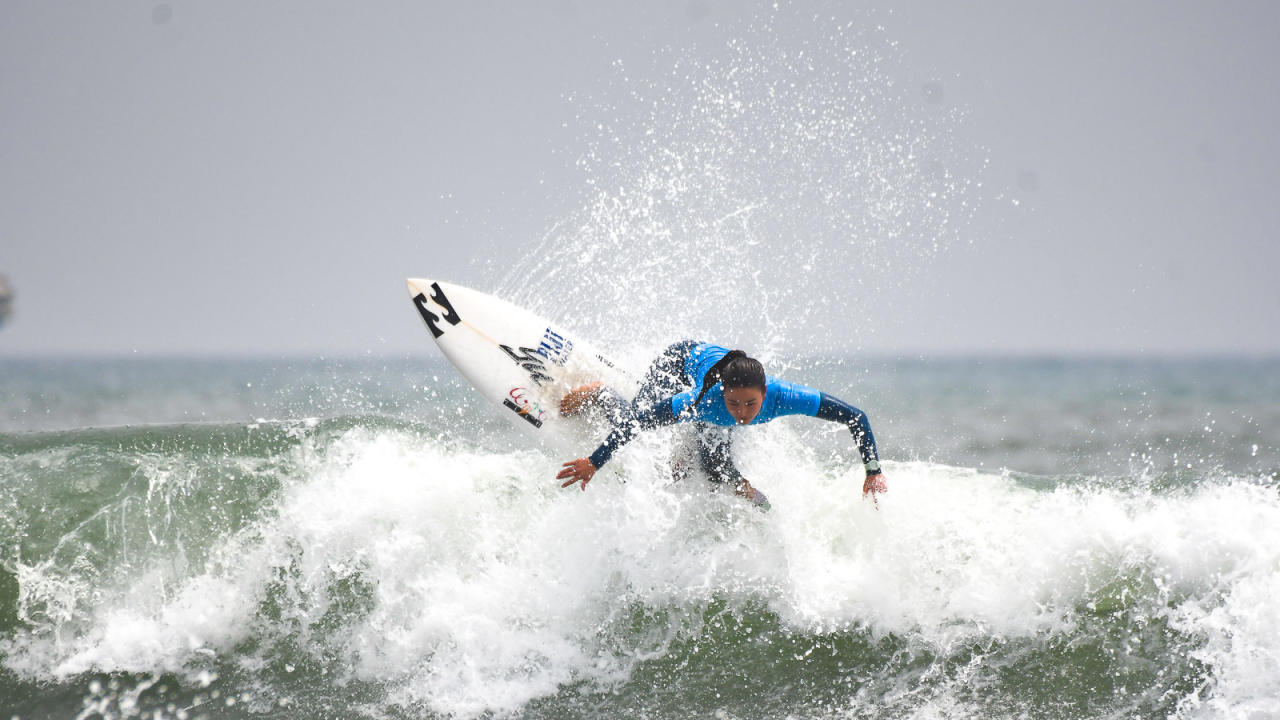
(670,388)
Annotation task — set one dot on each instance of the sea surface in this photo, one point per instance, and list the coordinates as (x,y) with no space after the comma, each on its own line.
(338,538)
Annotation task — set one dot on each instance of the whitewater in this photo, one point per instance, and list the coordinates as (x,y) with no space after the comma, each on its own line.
(413,563)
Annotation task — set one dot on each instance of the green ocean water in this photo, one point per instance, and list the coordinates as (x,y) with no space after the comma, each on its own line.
(259,538)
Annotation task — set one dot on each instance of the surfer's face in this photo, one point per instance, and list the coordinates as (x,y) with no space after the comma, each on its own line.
(743,403)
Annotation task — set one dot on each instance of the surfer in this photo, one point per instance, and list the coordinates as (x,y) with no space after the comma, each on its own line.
(716,389)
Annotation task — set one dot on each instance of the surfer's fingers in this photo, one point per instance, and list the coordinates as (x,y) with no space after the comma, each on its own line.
(570,472)
(575,470)
(573,480)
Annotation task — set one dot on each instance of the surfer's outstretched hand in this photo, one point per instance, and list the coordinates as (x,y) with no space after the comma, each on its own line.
(874,484)
(580,470)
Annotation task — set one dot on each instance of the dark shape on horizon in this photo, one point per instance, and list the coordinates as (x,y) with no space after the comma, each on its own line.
(6,300)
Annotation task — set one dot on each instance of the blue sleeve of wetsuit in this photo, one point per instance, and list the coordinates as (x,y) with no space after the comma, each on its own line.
(837,410)
(656,416)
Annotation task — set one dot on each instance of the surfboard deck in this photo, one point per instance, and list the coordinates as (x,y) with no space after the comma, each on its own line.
(519,361)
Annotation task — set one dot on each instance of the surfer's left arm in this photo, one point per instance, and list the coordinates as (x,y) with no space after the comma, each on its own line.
(837,410)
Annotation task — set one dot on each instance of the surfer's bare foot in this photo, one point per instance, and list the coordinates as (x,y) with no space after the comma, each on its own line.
(580,398)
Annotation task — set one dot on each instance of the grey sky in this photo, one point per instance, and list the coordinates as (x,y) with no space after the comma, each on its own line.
(258,178)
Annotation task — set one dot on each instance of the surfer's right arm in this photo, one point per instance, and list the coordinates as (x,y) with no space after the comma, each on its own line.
(582,469)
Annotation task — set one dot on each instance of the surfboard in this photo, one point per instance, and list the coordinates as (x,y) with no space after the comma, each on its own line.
(519,361)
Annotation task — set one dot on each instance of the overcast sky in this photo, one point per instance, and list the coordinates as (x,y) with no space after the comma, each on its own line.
(259,178)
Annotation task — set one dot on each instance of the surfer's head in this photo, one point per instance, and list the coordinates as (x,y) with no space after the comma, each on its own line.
(743,381)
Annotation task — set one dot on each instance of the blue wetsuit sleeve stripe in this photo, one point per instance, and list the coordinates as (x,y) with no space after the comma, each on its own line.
(836,410)
(658,415)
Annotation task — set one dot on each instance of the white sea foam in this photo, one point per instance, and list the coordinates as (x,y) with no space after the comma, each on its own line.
(486,586)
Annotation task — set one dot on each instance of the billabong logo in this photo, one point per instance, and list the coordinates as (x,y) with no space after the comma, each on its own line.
(433,321)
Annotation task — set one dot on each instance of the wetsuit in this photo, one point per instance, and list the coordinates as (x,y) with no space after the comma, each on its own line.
(670,388)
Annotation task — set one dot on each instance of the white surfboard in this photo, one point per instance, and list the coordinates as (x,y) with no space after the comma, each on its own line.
(517,360)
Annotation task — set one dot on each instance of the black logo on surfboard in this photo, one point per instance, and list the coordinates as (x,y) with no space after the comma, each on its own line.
(432,320)
(529,359)
(522,412)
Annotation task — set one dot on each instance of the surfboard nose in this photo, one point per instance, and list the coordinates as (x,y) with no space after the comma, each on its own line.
(418,285)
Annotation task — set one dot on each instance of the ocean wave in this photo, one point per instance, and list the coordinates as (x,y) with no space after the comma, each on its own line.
(374,563)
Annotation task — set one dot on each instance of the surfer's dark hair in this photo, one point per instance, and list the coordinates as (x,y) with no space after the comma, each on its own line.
(734,370)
